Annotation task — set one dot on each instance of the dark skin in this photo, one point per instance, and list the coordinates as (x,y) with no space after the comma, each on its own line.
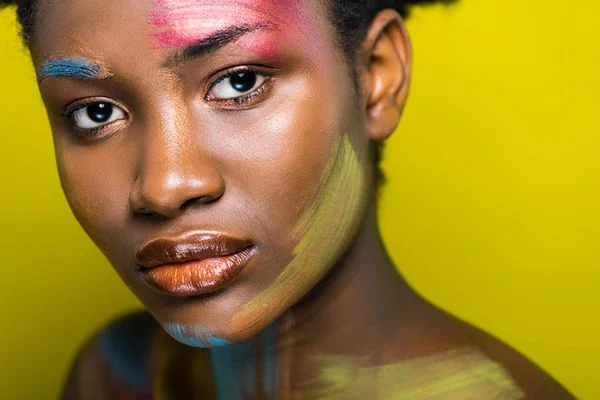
(177,161)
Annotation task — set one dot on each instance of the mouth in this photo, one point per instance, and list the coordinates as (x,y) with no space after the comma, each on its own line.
(193,264)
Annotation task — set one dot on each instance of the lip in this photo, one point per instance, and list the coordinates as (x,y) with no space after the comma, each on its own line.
(193,264)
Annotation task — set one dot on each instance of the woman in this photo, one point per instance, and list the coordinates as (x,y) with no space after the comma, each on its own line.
(223,155)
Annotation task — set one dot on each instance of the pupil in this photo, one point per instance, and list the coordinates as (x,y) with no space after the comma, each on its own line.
(100,112)
(243,81)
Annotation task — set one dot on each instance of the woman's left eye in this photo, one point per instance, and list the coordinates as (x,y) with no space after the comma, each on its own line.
(236,84)
(97,115)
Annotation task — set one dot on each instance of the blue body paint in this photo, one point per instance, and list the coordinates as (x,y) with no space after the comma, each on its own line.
(244,370)
(193,336)
(233,380)
(237,367)
(270,361)
(124,346)
(69,67)
(216,342)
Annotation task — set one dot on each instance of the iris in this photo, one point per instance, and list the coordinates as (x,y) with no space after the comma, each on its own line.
(100,112)
(243,81)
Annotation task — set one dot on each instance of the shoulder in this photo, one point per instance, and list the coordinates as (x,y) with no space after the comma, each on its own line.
(535,382)
(501,360)
(115,361)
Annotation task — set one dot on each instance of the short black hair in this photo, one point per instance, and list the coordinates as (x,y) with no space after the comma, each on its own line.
(351,19)
(25,15)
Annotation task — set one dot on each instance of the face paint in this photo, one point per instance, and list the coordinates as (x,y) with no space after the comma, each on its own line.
(259,45)
(72,68)
(193,336)
(455,374)
(187,22)
(340,197)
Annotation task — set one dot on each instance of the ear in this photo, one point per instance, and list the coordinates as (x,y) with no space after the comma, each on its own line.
(386,61)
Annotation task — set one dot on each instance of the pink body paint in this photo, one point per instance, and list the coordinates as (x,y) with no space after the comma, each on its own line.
(185,22)
(258,44)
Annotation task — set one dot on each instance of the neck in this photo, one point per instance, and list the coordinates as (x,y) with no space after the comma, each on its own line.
(355,311)
(364,290)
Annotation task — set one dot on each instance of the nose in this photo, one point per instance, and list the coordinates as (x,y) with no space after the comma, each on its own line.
(174,175)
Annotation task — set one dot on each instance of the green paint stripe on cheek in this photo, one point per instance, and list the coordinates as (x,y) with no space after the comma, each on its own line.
(322,230)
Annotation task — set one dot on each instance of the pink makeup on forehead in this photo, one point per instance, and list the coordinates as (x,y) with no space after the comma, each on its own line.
(258,44)
(186,22)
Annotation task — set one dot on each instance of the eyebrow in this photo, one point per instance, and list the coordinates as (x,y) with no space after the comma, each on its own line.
(78,68)
(212,43)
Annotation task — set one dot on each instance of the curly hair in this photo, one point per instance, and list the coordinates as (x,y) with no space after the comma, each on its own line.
(351,19)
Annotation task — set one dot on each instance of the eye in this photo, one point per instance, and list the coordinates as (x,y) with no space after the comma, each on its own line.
(236,84)
(97,115)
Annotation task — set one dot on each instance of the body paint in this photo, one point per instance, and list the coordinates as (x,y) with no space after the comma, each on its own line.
(193,336)
(240,371)
(124,347)
(180,372)
(73,68)
(248,370)
(455,374)
(187,22)
(340,196)
(259,45)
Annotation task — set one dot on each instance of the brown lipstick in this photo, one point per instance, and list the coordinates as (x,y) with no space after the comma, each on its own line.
(193,264)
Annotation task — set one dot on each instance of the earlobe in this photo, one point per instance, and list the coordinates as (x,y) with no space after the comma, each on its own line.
(387,54)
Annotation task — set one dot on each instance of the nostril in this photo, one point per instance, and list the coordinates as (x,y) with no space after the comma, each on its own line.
(145,211)
(201,200)
(204,199)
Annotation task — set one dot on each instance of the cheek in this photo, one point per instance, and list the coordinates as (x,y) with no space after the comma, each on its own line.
(329,220)
(282,155)
(94,197)
(320,232)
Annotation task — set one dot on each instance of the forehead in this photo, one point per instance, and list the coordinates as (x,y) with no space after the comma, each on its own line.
(114,27)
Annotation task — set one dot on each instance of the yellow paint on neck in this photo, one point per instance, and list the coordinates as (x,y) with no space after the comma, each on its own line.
(321,231)
(456,374)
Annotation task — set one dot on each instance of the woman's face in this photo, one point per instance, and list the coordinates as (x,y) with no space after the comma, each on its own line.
(198,120)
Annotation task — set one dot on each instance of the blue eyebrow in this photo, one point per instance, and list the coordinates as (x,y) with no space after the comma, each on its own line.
(71,68)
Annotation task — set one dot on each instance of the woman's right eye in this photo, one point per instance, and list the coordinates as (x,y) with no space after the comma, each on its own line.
(95,119)
(97,115)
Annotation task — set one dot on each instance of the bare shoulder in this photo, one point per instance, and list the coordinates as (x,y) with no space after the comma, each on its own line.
(531,378)
(115,362)
(444,331)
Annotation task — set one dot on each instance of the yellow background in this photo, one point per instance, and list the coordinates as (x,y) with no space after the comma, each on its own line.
(492,209)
